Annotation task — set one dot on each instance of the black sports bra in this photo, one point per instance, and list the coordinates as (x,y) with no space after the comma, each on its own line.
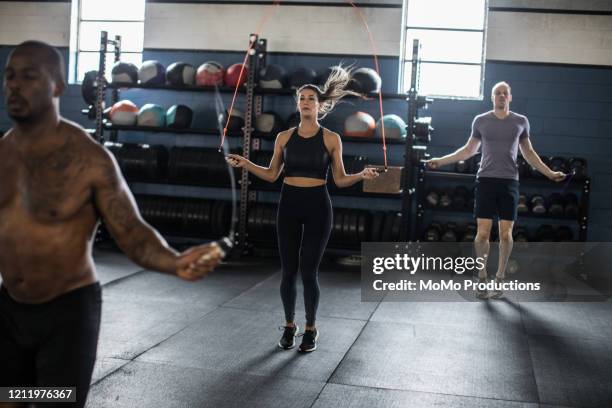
(306,156)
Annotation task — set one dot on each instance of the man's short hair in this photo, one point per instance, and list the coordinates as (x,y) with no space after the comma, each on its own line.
(497,85)
(51,58)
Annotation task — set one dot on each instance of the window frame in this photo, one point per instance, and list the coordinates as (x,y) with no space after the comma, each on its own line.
(75,35)
(405,60)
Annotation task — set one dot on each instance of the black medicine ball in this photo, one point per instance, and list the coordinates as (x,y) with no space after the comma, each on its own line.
(303,76)
(365,81)
(179,117)
(124,72)
(272,77)
(180,73)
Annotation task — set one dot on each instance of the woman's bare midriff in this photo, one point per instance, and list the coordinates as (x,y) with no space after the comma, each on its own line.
(304,181)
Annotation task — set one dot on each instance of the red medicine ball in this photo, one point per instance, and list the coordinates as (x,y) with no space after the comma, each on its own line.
(233,73)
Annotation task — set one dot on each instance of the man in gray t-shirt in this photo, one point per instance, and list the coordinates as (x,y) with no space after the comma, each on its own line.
(499,139)
(501,133)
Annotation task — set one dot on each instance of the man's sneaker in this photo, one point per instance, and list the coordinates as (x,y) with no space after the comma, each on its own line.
(482,293)
(287,341)
(497,292)
(309,341)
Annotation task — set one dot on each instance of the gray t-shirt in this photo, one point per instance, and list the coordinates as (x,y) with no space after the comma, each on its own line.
(500,140)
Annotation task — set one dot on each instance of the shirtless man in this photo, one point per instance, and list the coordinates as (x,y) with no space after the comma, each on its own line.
(57,183)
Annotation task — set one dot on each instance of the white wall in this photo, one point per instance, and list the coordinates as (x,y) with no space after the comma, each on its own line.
(543,37)
(20,21)
(512,36)
(288,28)
(598,5)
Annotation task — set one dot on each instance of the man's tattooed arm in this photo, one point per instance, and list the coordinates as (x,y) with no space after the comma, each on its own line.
(137,239)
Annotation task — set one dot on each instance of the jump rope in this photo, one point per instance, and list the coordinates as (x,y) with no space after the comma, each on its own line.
(227,242)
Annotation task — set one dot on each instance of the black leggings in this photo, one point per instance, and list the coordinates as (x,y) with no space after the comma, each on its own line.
(52,344)
(303,224)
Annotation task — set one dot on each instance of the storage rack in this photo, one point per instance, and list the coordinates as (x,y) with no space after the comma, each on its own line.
(251,141)
(424,175)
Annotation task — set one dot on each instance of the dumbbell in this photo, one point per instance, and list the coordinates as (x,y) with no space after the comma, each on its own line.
(522,205)
(557,163)
(449,234)
(433,232)
(519,234)
(476,163)
(460,197)
(445,199)
(578,166)
(432,198)
(470,233)
(512,267)
(564,234)
(571,205)
(545,233)
(538,204)
(556,204)
(464,166)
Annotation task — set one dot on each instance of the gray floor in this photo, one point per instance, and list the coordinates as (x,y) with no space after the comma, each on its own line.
(166,343)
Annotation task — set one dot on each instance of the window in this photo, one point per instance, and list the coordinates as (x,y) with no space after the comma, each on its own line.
(452,35)
(117,17)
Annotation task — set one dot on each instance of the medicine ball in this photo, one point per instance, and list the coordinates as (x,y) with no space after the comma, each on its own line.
(293,120)
(236,122)
(152,73)
(124,72)
(124,113)
(269,124)
(233,74)
(210,74)
(179,117)
(152,115)
(359,124)
(180,73)
(395,127)
(272,77)
(365,81)
(303,76)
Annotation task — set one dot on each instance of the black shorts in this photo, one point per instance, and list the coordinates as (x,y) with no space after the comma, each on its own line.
(52,344)
(496,197)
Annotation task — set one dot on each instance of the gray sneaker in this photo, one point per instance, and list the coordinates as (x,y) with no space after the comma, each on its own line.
(482,293)
(497,292)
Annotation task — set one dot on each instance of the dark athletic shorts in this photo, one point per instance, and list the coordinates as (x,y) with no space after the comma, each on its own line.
(496,197)
(52,344)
